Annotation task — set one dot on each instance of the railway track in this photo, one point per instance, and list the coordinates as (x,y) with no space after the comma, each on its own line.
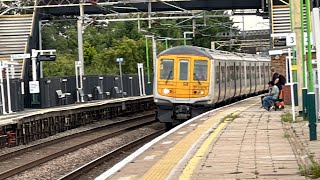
(109,156)
(24,159)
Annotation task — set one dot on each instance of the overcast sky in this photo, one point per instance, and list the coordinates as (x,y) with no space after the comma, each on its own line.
(251,22)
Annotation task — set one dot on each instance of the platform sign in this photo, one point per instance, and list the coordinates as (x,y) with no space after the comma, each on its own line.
(34,87)
(119,60)
(20,56)
(291,39)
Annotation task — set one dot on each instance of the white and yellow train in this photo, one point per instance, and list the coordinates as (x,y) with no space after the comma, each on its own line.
(190,80)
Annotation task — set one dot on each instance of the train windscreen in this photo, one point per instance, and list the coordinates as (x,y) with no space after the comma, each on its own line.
(200,70)
(166,69)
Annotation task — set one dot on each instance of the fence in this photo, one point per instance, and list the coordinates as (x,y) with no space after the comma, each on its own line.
(107,83)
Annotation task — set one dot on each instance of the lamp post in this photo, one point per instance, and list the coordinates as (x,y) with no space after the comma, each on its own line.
(131,85)
(41,25)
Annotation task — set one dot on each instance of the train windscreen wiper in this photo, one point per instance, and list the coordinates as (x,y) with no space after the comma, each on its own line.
(168,77)
(197,78)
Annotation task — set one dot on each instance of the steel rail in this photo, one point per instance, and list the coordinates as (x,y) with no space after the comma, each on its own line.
(91,165)
(135,123)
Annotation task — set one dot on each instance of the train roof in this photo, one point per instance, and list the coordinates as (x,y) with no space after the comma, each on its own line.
(191,50)
(213,54)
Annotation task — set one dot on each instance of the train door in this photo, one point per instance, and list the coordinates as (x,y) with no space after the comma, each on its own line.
(183,81)
(253,77)
(217,86)
(223,84)
(249,78)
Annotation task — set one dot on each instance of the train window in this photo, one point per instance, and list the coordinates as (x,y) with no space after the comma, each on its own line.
(248,72)
(223,75)
(166,69)
(200,70)
(183,69)
(237,71)
(242,71)
(253,75)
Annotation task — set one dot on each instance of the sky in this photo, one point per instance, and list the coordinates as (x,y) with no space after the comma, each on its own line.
(251,22)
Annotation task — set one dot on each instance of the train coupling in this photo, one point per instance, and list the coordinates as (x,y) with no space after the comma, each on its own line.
(182,112)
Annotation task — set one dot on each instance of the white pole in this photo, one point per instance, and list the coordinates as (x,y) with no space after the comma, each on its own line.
(77,79)
(34,65)
(80,42)
(139,76)
(154,53)
(291,86)
(287,69)
(4,111)
(40,47)
(8,89)
(316,29)
(81,80)
(142,79)
(120,71)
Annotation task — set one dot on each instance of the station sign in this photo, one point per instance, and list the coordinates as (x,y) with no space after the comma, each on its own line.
(34,87)
(20,56)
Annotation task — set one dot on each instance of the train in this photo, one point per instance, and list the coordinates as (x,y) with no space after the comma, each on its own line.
(190,80)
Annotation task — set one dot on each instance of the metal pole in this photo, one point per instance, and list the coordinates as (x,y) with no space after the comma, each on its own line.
(293,48)
(131,85)
(8,89)
(147,56)
(80,42)
(149,14)
(81,80)
(299,49)
(302,42)
(184,37)
(120,71)
(77,80)
(34,65)
(316,29)
(40,47)
(309,47)
(291,86)
(139,25)
(2,91)
(142,80)
(154,53)
(139,76)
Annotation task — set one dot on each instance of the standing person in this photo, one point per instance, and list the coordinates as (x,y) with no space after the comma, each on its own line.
(272,96)
(275,78)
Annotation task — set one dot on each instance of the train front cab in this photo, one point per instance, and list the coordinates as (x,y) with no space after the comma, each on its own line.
(182,83)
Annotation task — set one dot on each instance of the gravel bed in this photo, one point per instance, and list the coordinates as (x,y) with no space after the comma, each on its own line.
(64,164)
(67,133)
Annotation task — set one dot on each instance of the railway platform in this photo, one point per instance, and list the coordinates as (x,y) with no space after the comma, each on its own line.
(34,124)
(238,141)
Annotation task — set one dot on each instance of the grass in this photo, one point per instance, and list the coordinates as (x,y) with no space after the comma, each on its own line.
(287,117)
(286,135)
(312,170)
(230,117)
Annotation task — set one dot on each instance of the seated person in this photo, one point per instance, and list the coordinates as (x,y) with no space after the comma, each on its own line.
(273,95)
(269,91)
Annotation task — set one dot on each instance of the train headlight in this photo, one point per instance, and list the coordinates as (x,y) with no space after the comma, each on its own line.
(201,92)
(166,91)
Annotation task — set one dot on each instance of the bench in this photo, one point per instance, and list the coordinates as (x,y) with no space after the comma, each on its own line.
(81,93)
(101,93)
(278,104)
(62,96)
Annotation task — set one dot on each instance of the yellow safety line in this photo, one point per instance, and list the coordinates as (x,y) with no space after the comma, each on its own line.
(192,164)
(189,169)
(164,166)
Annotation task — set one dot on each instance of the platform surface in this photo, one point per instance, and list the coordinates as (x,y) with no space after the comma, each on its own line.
(240,141)
(12,118)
